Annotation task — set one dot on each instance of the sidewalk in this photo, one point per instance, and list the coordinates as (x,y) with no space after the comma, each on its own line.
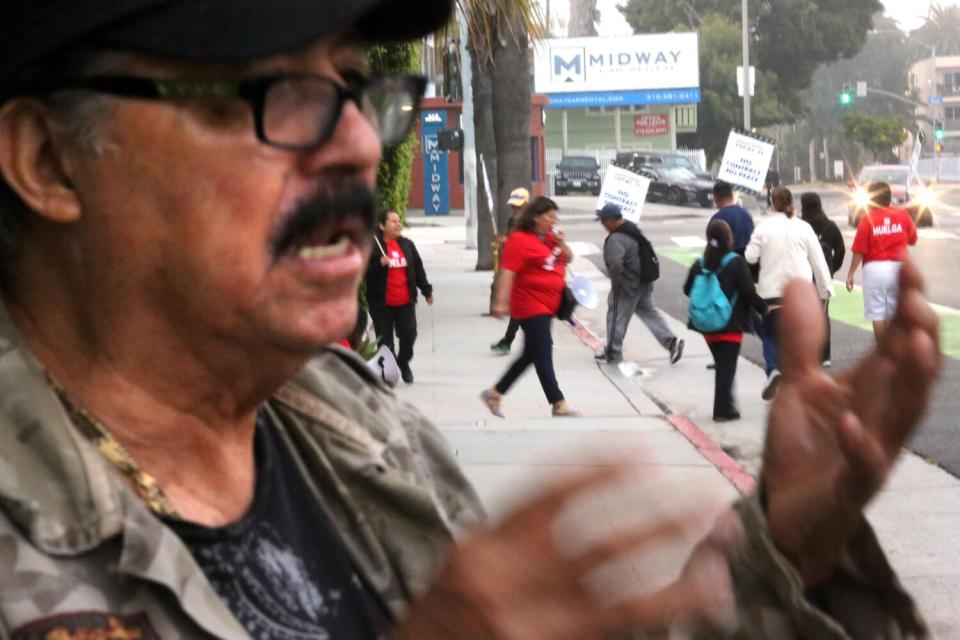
(661,413)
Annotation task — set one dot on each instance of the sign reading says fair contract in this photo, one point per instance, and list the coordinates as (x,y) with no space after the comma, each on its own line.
(625,189)
(745,161)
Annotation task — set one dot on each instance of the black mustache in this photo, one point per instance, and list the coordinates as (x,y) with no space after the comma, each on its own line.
(353,200)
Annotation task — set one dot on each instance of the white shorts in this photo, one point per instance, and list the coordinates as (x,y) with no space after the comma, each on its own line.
(880,289)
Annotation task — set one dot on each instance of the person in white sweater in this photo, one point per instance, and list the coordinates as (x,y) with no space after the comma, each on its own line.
(786,248)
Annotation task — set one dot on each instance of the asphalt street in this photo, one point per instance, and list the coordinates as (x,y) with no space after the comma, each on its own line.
(677,234)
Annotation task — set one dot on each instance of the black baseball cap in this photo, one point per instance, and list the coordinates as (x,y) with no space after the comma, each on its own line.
(610,211)
(219,30)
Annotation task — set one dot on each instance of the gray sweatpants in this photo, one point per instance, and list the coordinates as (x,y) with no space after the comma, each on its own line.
(621,305)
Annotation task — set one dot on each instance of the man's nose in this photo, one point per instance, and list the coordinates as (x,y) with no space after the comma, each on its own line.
(353,147)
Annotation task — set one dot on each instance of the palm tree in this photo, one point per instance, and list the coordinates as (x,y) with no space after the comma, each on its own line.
(583,18)
(941,29)
(499,46)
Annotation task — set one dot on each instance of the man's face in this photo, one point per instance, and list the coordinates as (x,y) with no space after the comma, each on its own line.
(190,217)
(609,224)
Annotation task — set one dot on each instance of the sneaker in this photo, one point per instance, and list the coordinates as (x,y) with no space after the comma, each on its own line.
(601,357)
(676,350)
(826,364)
(492,399)
(771,386)
(727,417)
(406,374)
(500,348)
(562,410)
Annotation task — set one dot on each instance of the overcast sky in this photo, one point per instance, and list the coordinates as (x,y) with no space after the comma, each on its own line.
(909,13)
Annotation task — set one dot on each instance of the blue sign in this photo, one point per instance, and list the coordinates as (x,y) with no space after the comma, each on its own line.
(623,98)
(935,100)
(436,184)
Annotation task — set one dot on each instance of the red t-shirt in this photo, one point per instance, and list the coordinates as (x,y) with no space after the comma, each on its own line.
(884,234)
(398,293)
(539,266)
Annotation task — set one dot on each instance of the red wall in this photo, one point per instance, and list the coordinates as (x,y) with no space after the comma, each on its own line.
(453,109)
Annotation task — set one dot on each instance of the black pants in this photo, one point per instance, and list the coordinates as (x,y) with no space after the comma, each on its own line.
(403,319)
(725,356)
(538,351)
(511,333)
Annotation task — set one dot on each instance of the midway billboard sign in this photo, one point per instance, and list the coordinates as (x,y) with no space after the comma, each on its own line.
(634,70)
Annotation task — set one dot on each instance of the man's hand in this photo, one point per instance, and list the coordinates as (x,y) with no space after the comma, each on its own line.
(514,582)
(831,442)
(850,281)
(430,300)
(385,260)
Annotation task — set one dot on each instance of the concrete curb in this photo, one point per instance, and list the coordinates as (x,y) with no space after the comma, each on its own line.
(732,470)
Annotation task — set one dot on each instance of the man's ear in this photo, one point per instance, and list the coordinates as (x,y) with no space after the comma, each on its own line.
(33,159)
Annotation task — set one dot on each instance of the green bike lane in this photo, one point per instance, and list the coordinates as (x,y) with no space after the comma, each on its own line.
(847,306)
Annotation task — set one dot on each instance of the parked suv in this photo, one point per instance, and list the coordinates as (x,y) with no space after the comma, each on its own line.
(632,160)
(577,173)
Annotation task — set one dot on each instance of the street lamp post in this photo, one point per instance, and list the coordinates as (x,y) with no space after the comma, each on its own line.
(746,65)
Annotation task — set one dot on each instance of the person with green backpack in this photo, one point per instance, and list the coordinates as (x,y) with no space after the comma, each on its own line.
(722,294)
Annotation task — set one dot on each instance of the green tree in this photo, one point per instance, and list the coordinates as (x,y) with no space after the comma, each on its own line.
(876,133)
(393,174)
(789,40)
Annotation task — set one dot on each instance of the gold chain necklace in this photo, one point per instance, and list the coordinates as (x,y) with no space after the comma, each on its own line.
(144,484)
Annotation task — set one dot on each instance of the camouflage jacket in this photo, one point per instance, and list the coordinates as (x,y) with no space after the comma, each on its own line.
(82,557)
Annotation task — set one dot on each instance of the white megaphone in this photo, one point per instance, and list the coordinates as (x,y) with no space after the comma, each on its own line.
(584,292)
(384,366)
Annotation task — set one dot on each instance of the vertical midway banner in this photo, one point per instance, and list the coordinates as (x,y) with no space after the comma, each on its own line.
(436,189)
(746,160)
(625,189)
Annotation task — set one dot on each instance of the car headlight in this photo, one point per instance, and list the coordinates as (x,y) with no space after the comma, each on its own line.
(926,198)
(860,198)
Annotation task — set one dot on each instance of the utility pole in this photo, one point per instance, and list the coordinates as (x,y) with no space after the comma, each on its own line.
(746,65)
(936,109)
(469,152)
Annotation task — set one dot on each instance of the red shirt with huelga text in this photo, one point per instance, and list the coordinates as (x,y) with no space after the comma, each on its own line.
(398,292)
(883,234)
(539,267)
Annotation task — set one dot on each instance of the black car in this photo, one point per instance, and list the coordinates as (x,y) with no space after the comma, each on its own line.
(633,160)
(577,173)
(676,185)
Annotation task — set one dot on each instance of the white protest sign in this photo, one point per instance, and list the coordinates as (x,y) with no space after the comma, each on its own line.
(745,161)
(625,189)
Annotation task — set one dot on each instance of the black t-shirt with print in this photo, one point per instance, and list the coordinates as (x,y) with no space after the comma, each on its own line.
(280,569)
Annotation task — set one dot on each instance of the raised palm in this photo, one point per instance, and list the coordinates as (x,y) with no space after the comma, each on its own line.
(832,441)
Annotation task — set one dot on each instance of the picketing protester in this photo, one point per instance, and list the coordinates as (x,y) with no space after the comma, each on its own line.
(786,248)
(633,267)
(739,219)
(720,285)
(834,249)
(883,235)
(529,289)
(518,199)
(187,206)
(394,274)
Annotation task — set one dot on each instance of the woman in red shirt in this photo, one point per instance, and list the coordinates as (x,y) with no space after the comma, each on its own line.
(529,287)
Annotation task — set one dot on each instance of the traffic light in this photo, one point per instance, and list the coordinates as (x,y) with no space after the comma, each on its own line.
(938,130)
(937,147)
(846,94)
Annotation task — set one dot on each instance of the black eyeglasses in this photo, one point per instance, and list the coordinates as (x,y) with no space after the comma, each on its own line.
(292,111)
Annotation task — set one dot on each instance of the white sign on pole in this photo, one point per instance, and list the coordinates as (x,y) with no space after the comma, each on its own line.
(838,169)
(652,61)
(861,89)
(625,189)
(746,160)
(753,80)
